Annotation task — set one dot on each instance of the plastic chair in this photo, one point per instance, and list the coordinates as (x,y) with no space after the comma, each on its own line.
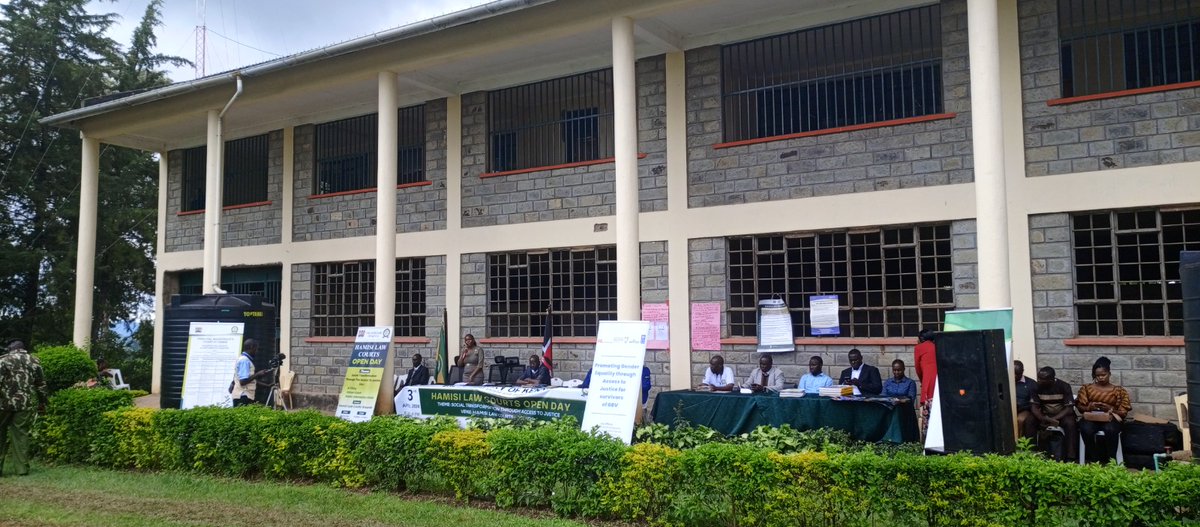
(1181,411)
(116,380)
(498,372)
(1083,449)
(285,386)
(398,381)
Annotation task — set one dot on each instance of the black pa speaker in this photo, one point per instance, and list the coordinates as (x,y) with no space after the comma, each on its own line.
(973,385)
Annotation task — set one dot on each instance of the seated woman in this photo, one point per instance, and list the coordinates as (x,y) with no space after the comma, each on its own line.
(1104,406)
(898,385)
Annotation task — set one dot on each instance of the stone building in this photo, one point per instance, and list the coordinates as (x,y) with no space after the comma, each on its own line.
(911,157)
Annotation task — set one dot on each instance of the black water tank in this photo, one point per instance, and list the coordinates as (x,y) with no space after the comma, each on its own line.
(252,310)
(1189,274)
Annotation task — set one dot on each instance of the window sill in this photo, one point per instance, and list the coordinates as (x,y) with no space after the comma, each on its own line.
(843,129)
(1126,341)
(367,190)
(1122,93)
(832,341)
(350,340)
(553,167)
(230,207)
(537,340)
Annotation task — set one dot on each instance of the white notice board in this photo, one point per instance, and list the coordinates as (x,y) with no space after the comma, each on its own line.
(615,393)
(212,351)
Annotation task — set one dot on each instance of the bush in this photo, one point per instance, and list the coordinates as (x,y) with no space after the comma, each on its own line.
(74,418)
(64,366)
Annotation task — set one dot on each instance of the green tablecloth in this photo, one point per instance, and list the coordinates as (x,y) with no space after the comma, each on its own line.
(734,413)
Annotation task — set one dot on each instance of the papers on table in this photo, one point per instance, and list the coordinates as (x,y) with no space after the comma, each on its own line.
(837,390)
(791,392)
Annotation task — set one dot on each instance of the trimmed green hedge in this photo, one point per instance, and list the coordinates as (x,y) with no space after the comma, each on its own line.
(767,478)
(64,366)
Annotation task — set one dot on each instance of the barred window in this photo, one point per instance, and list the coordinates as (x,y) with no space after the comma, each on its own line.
(554,122)
(245,172)
(1127,271)
(890,282)
(345,151)
(578,285)
(863,71)
(1113,45)
(343,298)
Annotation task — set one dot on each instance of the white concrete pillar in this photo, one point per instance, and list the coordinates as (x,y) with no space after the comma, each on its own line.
(987,136)
(453,221)
(85,260)
(213,183)
(160,299)
(677,244)
(385,226)
(625,143)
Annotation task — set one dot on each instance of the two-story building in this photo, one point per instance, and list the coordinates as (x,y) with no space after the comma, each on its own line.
(910,157)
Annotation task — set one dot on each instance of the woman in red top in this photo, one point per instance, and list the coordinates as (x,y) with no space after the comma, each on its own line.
(925,362)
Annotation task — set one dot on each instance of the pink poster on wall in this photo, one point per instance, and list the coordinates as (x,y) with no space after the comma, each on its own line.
(706,326)
(657,315)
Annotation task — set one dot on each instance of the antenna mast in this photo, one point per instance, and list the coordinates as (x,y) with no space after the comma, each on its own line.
(201,37)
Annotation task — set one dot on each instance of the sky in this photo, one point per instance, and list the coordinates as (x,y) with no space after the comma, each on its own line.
(244,32)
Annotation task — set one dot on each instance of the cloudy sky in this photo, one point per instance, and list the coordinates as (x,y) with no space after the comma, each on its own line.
(242,32)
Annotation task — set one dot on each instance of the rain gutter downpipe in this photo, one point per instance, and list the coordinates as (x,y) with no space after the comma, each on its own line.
(213,199)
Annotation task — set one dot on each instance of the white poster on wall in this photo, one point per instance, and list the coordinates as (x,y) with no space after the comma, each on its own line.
(212,351)
(823,314)
(616,389)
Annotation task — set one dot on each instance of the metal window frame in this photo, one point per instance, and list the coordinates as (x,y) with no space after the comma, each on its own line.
(343,298)
(244,168)
(578,284)
(856,320)
(345,151)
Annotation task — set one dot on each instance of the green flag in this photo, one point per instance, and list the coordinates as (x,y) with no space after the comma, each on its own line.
(442,369)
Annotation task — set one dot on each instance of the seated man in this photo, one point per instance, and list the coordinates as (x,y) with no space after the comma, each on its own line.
(717,377)
(863,377)
(815,379)
(766,377)
(537,373)
(418,375)
(1027,424)
(1052,403)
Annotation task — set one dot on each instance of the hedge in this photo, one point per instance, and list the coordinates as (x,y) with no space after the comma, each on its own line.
(749,481)
(64,366)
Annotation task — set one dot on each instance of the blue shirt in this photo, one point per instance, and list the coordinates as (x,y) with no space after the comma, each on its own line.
(902,388)
(812,383)
(245,368)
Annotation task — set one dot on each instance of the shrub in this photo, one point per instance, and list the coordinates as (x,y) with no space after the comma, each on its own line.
(75,417)
(462,457)
(394,452)
(64,366)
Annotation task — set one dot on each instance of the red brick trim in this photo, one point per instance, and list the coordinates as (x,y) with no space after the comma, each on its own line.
(416,184)
(1126,341)
(831,341)
(552,167)
(537,340)
(230,207)
(830,131)
(1122,93)
(350,340)
(366,190)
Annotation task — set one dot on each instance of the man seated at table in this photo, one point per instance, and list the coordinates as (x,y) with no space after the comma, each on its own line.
(717,377)
(418,375)
(815,379)
(863,377)
(536,374)
(1052,403)
(766,377)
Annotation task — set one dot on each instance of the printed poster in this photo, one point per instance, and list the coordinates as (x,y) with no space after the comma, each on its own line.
(360,389)
(706,326)
(616,390)
(212,352)
(660,335)
(823,315)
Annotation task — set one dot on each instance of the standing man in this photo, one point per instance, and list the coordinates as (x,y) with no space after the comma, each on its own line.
(863,377)
(22,393)
(244,376)
(418,375)
(815,379)
(766,377)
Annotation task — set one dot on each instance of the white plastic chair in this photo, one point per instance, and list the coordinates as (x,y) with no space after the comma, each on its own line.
(116,380)
(1083,450)
(1181,412)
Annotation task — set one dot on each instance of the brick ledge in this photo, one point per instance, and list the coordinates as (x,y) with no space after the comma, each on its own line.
(838,130)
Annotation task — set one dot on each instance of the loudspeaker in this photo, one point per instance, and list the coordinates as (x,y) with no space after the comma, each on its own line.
(973,386)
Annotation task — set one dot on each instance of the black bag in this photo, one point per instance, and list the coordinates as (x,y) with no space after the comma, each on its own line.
(1146,438)
(230,387)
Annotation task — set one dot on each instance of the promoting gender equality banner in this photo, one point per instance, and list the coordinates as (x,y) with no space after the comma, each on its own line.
(212,351)
(363,373)
(967,320)
(539,403)
(615,395)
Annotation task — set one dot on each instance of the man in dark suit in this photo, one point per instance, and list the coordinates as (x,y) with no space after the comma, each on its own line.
(863,377)
(418,375)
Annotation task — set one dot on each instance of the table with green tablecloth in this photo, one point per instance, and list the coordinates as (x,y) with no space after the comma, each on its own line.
(735,413)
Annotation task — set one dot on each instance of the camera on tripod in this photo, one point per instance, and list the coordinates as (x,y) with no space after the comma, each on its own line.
(276,361)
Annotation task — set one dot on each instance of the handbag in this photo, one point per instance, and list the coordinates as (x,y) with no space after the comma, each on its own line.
(1097,417)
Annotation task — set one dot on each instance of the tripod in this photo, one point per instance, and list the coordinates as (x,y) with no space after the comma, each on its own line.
(275,399)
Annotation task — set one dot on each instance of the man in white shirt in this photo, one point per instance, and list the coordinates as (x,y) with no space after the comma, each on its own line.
(718,377)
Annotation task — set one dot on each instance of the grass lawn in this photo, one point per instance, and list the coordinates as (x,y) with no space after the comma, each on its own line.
(53,495)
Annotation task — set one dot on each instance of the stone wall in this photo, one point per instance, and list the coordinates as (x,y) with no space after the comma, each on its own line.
(564,193)
(1123,132)
(258,225)
(907,156)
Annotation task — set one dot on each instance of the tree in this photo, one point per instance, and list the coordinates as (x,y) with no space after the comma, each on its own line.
(53,57)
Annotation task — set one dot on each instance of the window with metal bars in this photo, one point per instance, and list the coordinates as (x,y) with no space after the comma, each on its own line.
(1127,271)
(343,298)
(890,282)
(345,156)
(1114,45)
(579,286)
(245,172)
(874,69)
(554,122)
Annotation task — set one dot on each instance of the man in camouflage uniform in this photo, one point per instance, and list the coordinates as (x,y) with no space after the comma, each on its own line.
(22,394)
